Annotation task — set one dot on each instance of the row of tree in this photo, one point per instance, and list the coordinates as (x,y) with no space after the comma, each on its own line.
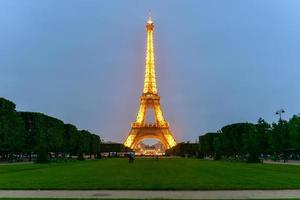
(247,141)
(252,142)
(23,134)
(184,149)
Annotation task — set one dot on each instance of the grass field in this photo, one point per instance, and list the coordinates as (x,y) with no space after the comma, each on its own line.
(149,174)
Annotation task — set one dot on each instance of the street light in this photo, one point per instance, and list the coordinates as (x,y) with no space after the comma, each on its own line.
(279,112)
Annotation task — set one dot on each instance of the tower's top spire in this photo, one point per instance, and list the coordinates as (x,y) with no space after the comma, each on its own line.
(149,25)
(150,79)
(149,19)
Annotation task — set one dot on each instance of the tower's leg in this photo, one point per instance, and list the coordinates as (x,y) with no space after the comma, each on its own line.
(169,137)
(158,114)
(131,138)
(140,118)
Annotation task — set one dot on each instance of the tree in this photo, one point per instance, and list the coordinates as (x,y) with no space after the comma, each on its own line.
(233,136)
(70,139)
(280,137)
(11,130)
(252,142)
(184,149)
(206,144)
(95,144)
(263,135)
(219,147)
(36,133)
(83,144)
(294,128)
(55,134)
(43,134)
(31,137)
(238,140)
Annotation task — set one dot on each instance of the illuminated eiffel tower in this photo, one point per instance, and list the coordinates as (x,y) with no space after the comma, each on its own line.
(149,99)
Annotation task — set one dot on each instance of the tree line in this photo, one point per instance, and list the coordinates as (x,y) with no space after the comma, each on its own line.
(28,134)
(184,149)
(253,142)
(247,142)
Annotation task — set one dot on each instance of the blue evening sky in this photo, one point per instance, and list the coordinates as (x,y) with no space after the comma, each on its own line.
(217,62)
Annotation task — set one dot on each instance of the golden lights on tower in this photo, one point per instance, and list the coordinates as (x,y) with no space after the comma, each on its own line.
(150,79)
(150,100)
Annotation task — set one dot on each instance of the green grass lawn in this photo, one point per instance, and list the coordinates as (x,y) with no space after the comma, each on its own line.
(149,174)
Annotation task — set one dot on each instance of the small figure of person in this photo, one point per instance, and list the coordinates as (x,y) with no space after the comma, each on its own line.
(131,157)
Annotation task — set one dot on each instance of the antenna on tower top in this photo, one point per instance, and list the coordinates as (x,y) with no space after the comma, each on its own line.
(149,18)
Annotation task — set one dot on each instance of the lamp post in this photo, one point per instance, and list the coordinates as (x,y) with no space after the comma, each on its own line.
(280,112)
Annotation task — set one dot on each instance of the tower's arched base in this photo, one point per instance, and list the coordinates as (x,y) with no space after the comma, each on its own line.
(137,134)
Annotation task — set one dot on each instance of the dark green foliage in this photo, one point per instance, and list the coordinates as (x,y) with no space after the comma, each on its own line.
(184,150)
(71,138)
(206,144)
(246,141)
(33,133)
(263,136)
(235,137)
(80,155)
(294,130)
(54,134)
(83,144)
(43,134)
(280,137)
(256,141)
(88,144)
(42,155)
(238,141)
(113,147)
(12,136)
(95,144)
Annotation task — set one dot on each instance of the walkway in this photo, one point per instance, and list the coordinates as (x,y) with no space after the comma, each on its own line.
(290,162)
(139,194)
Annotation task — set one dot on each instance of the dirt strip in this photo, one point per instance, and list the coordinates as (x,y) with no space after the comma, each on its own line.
(140,194)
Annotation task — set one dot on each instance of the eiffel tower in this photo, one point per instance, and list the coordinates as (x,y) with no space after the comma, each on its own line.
(149,99)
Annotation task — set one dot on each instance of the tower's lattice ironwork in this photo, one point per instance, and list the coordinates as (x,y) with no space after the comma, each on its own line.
(149,99)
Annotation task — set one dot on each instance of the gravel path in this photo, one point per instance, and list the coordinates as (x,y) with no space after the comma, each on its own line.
(139,194)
